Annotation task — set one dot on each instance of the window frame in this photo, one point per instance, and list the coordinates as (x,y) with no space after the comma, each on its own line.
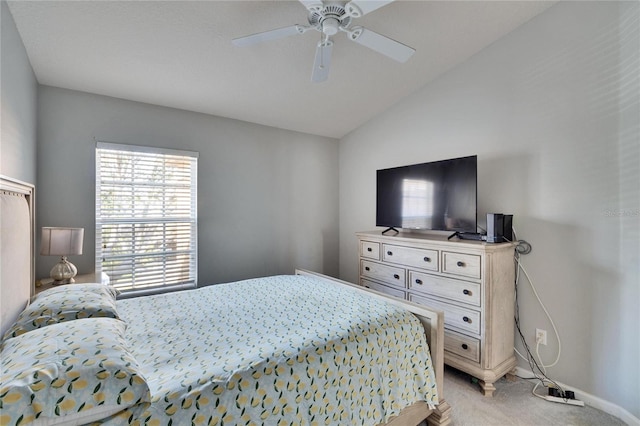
(146,154)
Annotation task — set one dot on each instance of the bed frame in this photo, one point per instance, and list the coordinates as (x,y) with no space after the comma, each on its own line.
(17,278)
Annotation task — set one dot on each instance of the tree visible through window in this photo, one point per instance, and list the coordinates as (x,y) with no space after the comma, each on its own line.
(146,217)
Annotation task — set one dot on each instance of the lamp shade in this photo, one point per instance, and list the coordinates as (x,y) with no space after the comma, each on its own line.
(61,241)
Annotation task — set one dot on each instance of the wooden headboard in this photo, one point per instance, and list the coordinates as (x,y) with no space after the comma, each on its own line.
(16,248)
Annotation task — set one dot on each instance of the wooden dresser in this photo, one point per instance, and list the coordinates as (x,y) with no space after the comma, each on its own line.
(471,281)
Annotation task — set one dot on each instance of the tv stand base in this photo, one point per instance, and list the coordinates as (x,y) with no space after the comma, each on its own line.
(391,228)
(468,236)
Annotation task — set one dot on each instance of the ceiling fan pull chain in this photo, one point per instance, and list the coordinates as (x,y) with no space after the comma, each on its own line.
(322,34)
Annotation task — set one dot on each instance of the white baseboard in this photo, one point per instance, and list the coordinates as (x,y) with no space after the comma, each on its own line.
(593,401)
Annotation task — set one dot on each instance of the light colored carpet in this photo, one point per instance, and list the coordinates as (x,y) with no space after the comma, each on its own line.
(513,404)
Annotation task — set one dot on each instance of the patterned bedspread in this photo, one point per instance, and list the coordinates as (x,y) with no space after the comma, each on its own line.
(285,350)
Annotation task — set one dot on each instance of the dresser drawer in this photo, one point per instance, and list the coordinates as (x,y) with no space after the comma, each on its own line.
(454,316)
(418,258)
(388,274)
(370,250)
(462,291)
(462,345)
(466,265)
(383,288)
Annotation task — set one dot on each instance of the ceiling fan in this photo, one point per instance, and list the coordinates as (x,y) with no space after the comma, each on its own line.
(328,18)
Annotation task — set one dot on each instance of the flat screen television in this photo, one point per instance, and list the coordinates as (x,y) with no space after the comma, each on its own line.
(440,195)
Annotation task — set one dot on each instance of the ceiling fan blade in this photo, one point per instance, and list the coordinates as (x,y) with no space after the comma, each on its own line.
(322,62)
(358,8)
(269,35)
(381,44)
(312,5)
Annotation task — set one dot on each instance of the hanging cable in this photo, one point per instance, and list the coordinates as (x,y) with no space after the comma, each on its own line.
(538,368)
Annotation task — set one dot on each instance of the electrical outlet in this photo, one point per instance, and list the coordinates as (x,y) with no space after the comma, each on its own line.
(541,336)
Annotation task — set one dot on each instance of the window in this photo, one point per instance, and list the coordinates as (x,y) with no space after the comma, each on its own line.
(146,218)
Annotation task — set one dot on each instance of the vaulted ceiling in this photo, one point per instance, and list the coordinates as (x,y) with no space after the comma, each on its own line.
(179,54)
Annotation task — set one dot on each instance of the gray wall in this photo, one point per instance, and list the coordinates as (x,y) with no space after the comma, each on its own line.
(552,112)
(266,197)
(18,88)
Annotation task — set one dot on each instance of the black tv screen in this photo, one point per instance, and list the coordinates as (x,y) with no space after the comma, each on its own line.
(440,195)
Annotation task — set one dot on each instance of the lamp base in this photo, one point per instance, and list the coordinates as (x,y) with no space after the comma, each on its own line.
(63,272)
(65,281)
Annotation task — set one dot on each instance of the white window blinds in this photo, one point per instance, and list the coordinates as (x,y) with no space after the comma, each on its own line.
(146,217)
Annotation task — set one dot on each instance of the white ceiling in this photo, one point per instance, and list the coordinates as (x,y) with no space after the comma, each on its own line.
(179,54)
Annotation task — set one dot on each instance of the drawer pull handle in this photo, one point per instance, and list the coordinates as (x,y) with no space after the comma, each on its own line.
(467,320)
(464,346)
(390,253)
(369,249)
(418,281)
(460,264)
(366,268)
(467,292)
(396,276)
(427,259)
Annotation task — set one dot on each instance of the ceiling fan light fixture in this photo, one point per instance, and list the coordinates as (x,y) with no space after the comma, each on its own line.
(330,26)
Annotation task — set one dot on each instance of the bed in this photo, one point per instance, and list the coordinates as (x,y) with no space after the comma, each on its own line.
(294,349)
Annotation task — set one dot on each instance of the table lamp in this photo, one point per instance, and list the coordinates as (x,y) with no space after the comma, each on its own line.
(62,242)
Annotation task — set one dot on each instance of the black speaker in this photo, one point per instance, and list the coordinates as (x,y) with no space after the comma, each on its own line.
(499,227)
(495,227)
(507,228)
